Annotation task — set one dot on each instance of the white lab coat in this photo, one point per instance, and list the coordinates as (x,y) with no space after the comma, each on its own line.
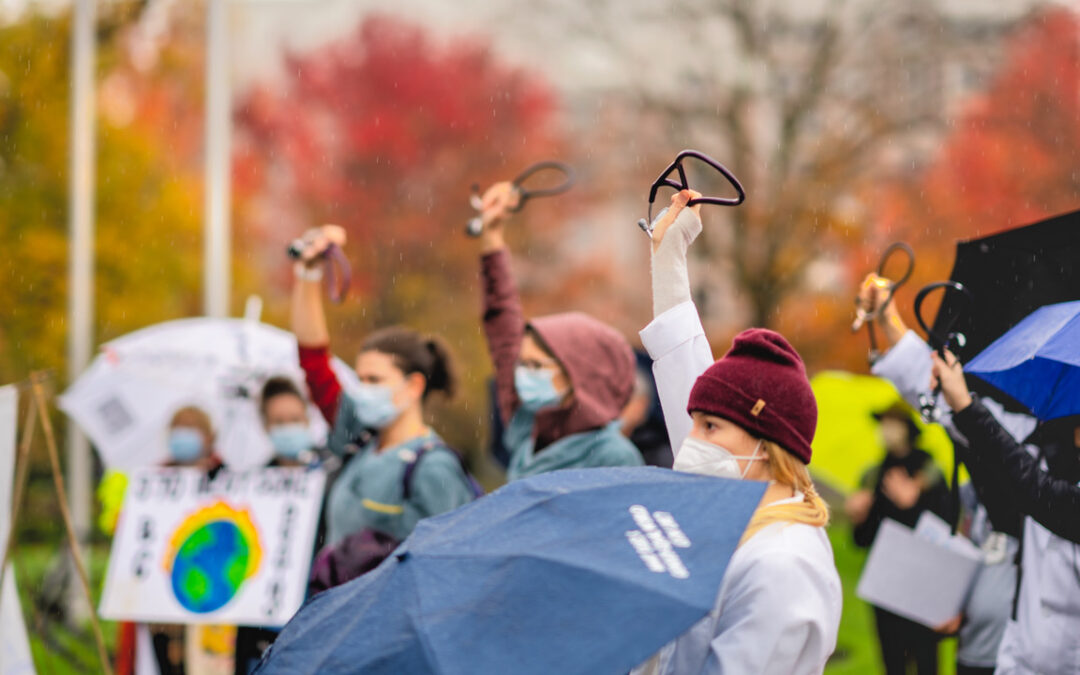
(1045,638)
(778,607)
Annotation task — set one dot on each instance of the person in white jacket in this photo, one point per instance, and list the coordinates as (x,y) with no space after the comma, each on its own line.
(751,415)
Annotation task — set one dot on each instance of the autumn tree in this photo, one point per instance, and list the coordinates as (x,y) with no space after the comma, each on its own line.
(1009,160)
(383,133)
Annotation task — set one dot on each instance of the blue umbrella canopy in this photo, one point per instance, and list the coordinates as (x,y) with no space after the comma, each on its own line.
(1038,361)
(579,571)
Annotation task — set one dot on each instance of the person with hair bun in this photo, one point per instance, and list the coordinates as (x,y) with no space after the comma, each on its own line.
(384,486)
(751,415)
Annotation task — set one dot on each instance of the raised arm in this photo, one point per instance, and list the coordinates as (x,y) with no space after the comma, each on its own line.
(504,322)
(308,321)
(1054,503)
(675,338)
(907,363)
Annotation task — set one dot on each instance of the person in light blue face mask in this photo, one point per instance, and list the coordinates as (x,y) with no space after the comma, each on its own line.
(191,440)
(561,380)
(284,413)
(377,424)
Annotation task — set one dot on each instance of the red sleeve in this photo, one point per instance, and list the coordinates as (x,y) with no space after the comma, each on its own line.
(504,325)
(321,381)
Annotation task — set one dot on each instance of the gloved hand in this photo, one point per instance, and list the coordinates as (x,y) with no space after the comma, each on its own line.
(673,230)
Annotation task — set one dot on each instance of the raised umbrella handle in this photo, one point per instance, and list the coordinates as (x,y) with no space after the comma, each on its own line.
(475,226)
(928,403)
(663,180)
(864,317)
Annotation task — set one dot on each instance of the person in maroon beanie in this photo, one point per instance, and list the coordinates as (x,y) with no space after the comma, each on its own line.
(752,416)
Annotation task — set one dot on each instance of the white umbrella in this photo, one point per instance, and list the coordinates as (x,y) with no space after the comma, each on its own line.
(126,398)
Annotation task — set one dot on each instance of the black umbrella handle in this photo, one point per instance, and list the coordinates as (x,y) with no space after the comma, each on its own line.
(475,226)
(337,269)
(664,180)
(525,194)
(863,316)
(938,342)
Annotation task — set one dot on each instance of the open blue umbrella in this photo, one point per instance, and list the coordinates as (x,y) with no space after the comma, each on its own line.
(1038,361)
(577,571)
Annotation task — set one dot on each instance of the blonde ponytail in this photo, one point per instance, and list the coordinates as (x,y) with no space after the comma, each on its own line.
(788,470)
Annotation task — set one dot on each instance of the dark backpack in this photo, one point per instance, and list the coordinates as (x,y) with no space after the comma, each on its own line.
(363,551)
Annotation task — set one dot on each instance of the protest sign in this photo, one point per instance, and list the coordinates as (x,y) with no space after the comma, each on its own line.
(235,548)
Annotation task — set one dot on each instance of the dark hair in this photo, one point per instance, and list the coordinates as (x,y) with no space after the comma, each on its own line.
(415,353)
(278,386)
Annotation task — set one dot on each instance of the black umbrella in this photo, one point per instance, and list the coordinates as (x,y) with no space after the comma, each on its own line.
(1010,275)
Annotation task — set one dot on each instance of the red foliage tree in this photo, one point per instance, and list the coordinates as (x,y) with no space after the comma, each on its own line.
(383,133)
(1010,159)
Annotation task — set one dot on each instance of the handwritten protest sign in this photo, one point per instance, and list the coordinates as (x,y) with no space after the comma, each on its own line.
(232,549)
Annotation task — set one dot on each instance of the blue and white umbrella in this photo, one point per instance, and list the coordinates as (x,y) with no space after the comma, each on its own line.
(1038,361)
(578,571)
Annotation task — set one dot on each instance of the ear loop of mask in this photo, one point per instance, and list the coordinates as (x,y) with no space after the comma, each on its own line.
(752,458)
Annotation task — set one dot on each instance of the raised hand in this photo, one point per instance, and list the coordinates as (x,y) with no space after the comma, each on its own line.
(318,239)
(688,228)
(949,374)
(873,293)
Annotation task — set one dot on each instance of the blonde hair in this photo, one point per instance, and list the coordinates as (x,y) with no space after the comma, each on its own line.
(788,470)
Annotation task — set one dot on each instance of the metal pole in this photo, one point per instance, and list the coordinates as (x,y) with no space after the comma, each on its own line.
(81,260)
(216,252)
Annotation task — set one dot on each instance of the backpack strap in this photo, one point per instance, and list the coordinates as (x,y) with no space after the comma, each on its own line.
(429,445)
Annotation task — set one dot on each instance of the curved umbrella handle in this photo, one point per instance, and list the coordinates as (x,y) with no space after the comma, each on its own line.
(475,226)
(951,341)
(337,269)
(937,341)
(869,317)
(893,248)
(663,180)
(525,194)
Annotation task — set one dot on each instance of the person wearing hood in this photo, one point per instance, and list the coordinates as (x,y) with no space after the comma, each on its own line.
(377,425)
(751,415)
(562,380)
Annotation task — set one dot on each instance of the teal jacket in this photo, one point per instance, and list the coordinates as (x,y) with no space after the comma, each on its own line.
(598,362)
(369,491)
(587,449)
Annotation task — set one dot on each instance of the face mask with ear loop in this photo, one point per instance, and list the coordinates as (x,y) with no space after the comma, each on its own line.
(709,459)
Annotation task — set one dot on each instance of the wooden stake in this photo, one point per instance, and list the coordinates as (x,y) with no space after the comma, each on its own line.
(22,472)
(61,496)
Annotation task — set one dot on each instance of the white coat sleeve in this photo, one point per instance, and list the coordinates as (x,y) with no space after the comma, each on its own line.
(779,618)
(907,365)
(680,352)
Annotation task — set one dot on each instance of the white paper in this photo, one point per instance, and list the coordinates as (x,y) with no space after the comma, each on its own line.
(15,657)
(268,517)
(918,577)
(932,528)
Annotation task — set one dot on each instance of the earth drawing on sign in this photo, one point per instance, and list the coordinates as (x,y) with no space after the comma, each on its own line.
(210,555)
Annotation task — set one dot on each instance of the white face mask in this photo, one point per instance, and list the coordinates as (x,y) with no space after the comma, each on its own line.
(709,459)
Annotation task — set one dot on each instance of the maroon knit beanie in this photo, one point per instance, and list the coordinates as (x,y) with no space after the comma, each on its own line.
(761,385)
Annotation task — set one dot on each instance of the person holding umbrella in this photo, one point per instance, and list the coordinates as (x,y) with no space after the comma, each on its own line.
(562,380)
(1044,636)
(752,416)
(378,421)
(1011,486)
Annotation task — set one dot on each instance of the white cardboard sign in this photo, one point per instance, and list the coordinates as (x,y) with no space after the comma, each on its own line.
(234,549)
